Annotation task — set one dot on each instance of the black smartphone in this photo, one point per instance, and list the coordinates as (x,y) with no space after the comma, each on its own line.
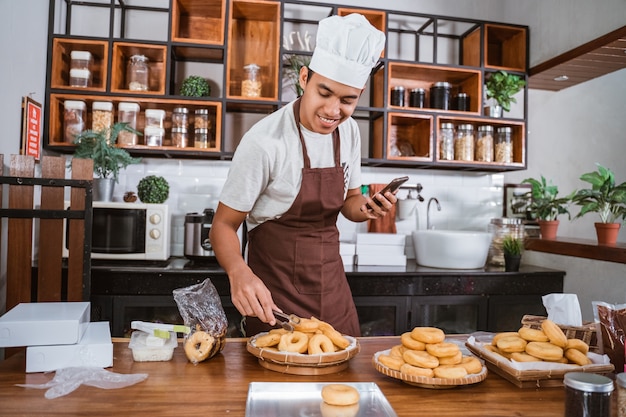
(392,186)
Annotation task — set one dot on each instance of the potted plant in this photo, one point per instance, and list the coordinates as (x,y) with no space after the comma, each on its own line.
(153,189)
(512,248)
(108,159)
(605,198)
(500,88)
(545,207)
(195,86)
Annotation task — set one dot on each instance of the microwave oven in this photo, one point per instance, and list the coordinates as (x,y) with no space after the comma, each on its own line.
(128,231)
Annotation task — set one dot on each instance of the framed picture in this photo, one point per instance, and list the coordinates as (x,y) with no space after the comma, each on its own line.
(516,200)
(31,128)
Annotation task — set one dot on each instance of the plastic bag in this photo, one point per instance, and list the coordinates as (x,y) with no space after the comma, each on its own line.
(612,319)
(67,380)
(201,309)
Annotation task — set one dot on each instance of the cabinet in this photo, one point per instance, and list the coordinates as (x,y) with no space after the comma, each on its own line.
(218,39)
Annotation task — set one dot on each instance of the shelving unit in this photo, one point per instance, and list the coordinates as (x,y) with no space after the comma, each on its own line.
(218,38)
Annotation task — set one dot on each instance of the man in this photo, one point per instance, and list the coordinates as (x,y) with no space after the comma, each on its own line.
(291,175)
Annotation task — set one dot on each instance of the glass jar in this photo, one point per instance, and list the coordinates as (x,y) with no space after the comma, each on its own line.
(620,380)
(201,138)
(251,85)
(102,116)
(464,143)
(179,137)
(81,60)
(73,119)
(499,229)
(462,102)
(201,119)
(446,142)
(137,73)
(587,395)
(127,113)
(153,136)
(397,96)
(417,97)
(80,77)
(180,117)
(484,144)
(440,95)
(504,146)
(155,118)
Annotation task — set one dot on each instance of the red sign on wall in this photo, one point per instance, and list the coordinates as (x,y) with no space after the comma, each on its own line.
(31,128)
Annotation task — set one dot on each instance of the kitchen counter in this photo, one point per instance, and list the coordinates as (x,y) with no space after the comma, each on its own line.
(219,387)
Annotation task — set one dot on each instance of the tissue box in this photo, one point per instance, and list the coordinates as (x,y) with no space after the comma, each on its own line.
(94,349)
(39,324)
(144,353)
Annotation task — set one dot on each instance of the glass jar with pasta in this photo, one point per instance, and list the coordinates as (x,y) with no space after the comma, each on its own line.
(464,143)
(504,145)
(484,144)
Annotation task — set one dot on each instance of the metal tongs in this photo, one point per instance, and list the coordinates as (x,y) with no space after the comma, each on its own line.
(287,321)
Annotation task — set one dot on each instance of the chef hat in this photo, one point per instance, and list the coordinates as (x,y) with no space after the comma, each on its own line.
(347,48)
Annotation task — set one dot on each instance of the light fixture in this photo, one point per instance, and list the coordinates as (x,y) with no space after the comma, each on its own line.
(561,78)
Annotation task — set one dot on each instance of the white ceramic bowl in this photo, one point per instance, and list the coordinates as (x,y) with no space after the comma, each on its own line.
(451,249)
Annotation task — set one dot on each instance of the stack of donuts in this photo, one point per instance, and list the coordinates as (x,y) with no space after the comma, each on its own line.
(546,344)
(310,336)
(424,352)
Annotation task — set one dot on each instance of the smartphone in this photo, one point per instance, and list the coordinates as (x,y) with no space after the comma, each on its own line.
(392,186)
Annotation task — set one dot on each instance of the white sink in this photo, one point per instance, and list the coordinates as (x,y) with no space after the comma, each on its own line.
(451,249)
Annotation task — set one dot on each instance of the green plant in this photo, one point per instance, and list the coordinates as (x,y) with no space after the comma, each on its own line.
(195,86)
(544,204)
(153,189)
(604,197)
(108,159)
(512,245)
(294,64)
(502,86)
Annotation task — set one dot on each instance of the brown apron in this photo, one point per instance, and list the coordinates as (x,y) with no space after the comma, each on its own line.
(297,255)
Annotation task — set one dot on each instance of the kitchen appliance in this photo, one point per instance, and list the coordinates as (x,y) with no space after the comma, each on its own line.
(197,229)
(128,231)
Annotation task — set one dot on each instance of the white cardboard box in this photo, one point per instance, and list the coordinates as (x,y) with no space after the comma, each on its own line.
(94,349)
(38,324)
(388,260)
(380,239)
(389,250)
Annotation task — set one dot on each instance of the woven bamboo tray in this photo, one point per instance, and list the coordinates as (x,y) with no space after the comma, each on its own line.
(588,332)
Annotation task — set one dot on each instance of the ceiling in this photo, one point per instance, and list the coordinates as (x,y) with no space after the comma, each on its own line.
(591,60)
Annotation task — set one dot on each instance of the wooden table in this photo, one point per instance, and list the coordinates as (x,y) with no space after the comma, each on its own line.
(219,387)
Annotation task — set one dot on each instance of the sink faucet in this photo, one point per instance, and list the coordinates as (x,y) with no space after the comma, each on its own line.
(428,211)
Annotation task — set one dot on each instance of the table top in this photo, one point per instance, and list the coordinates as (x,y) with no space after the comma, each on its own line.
(219,387)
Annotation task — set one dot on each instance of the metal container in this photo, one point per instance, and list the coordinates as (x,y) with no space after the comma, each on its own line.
(197,229)
(500,228)
(440,95)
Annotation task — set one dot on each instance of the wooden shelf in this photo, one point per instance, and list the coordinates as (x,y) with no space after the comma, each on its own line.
(579,248)
(157,61)
(60,72)
(198,21)
(504,47)
(409,138)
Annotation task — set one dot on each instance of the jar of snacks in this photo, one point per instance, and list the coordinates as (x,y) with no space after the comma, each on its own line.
(179,137)
(155,118)
(80,77)
(201,119)
(137,73)
(153,135)
(484,144)
(201,138)
(587,395)
(73,119)
(180,118)
(251,85)
(464,143)
(101,116)
(504,146)
(127,113)
(499,229)
(446,142)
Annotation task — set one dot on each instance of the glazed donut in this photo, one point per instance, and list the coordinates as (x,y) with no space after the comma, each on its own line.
(340,394)
(544,350)
(391,362)
(452,360)
(428,334)
(524,357)
(320,343)
(397,351)
(267,340)
(577,357)
(442,349)
(499,336)
(293,342)
(329,410)
(420,358)
(409,369)
(450,372)
(510,344)
(471,364)
(554,333)
(198,346)
(407,341)
(532,335)
(578,345)
(306,325)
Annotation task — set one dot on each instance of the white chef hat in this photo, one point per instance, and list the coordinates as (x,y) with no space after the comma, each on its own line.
(346,49)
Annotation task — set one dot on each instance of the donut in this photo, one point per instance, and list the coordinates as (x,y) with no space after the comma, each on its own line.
(397,351)
(578,345)
(407,341)
(320,343)
(577,357)
(450,372)
(336,337)
(420,358)
(409,369)
(293,342)
(544,350)
(340,394)
(198,346)
(510,344)
(442,349)
(471,364)
(524,357)
(428,334)
(391,362)
(451,360)
(532,335)
(554,333)
(306,325)
(329,410)
(267,340)
(499,336)
(279,331)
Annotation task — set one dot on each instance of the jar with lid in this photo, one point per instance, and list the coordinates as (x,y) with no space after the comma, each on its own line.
(499,229)
(155,118)
(80,77)
(251,85)
(127,113)
(504,146)
(137,73)
(73,119)
(201,138)
(180,117)
(462,102)
(397,96)
(102,116)
(81,60)
(587,395)
(484,144)
(446,142)
(201,119)
(464,143)
(153,135)
(440,95)
(179,137)
(417,97)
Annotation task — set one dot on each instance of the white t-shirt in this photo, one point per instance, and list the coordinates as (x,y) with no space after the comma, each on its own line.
(266,170)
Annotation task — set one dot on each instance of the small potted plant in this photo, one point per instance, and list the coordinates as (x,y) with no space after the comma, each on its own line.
(108,159)
(500,88)
(605,198)
(195,86)
(153,190)
(512,248)
(545,207)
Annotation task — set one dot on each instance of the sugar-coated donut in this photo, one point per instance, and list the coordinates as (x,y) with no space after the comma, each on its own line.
(442,349)
(451,360)
(198,345)
(544,350)
(532,335)
(511,344)
(391,362)
(397,351)
(577,357)
(407,340)
(554,333)
(420,358)
(428,334)
(320,343)
(471,364)
(409,369)
(293,342)
(267,340)
(329,410)
(450,372)
(524,357)
(340,394)
(499,336)
(578,345)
